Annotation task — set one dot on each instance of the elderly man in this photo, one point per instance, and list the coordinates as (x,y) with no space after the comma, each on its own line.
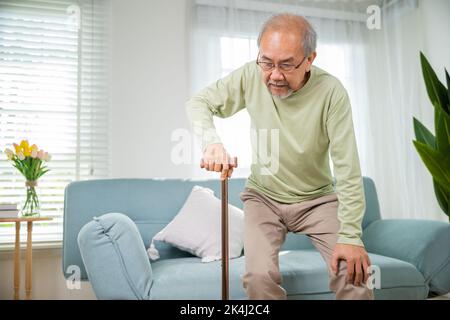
(310,111)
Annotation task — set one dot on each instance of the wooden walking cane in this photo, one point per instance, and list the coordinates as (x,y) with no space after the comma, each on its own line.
(225,261)
(225,291)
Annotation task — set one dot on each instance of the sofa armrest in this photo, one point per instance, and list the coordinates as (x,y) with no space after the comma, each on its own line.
(423,243)
(115,259)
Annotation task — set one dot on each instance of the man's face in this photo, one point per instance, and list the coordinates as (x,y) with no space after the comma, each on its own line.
(282,48)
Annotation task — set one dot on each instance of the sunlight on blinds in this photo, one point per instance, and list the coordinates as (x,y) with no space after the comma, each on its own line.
(53,92)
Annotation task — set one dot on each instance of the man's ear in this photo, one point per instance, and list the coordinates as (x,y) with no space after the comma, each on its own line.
(310,59)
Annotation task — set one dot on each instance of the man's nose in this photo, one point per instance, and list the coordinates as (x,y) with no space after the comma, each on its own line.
(276,75)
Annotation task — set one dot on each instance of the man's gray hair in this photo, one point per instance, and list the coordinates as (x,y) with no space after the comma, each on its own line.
(285,21)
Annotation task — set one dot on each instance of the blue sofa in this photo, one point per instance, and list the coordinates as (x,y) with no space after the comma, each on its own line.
(108,224)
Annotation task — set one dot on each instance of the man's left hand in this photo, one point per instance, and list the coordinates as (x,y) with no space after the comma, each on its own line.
(357,262)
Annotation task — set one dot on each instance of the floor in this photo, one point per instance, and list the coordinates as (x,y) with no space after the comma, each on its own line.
(444,297)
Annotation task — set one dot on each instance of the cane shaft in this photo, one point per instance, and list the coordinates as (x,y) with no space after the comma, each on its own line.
(225,291)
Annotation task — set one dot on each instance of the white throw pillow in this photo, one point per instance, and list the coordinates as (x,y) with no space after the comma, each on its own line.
(197,228)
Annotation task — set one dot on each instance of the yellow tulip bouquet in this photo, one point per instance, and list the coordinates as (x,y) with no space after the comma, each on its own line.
(29,161)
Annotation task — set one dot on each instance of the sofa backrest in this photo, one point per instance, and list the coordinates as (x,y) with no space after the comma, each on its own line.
(152,204)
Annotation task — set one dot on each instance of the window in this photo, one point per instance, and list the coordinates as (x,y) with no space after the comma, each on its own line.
(235,131)
(53,92)
(236,51)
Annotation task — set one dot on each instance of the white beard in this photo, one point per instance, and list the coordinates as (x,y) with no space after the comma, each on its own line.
(288,94)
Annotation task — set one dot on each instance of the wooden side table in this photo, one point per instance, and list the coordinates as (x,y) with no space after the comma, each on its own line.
(29,258)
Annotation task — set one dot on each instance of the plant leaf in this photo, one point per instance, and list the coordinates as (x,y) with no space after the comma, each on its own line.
(18,168)
(436,163)
(42,173)
(436,90)
(423,134)
(447,77)
(442,132)
(442,197)
(33,168)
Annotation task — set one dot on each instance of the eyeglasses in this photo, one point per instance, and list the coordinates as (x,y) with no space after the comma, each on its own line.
(285,67)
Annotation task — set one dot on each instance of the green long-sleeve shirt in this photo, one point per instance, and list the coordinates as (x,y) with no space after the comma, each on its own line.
(305,127)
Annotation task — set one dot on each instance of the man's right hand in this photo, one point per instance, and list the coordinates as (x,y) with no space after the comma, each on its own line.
(216,158)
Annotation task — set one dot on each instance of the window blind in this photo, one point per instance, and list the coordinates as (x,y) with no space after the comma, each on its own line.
(54,93)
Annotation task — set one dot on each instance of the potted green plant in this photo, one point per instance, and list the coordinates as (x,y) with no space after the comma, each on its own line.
(435,150)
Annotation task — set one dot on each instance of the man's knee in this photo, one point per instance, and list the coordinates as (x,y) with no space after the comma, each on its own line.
(345,290)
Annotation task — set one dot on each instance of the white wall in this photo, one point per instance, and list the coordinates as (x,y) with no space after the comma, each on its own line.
(436,22)
(149,86)
(436,47)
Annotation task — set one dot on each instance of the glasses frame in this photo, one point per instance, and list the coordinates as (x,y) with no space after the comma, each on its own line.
(278,66)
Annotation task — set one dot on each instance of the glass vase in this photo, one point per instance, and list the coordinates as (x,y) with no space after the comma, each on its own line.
(31,206)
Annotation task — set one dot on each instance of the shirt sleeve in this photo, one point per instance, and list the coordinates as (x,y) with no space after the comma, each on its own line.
(223,98)
(346,167)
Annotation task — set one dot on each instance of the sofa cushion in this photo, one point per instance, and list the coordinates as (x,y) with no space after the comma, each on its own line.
(196,228)
(304,277)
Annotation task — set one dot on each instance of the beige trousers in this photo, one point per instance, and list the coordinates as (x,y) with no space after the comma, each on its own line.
(266,224)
